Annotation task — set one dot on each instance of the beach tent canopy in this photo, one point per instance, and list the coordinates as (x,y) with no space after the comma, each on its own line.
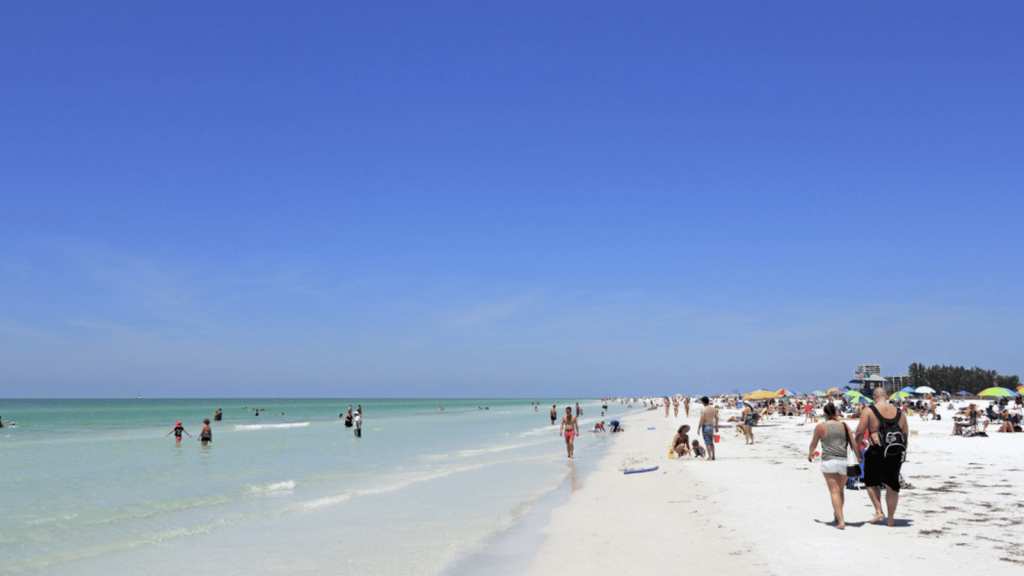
(925,390)
(997,391)
(900,394)
(908,390)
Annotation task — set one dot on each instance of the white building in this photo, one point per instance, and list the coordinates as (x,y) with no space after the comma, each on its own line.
(869,369)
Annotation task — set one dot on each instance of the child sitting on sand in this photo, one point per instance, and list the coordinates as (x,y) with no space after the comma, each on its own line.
(698,452)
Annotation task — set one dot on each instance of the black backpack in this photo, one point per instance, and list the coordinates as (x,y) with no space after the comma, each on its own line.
(893,442)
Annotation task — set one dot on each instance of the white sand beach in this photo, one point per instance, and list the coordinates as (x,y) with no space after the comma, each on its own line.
(763,509)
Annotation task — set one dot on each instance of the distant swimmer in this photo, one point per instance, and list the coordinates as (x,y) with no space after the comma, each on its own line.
(206,434)
(579,411)
(178,430)
(570,429)
(358,419)
(554,414)
(217,415)
(535,409)
(440,409)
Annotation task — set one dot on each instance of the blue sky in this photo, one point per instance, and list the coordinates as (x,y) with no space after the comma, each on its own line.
(505,199)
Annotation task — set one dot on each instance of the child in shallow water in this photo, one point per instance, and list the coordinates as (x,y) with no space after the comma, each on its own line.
(698,452)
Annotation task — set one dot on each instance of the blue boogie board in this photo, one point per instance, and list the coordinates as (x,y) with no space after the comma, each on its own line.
(641,470)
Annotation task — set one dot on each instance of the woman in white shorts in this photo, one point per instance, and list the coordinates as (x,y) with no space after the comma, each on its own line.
(833,435)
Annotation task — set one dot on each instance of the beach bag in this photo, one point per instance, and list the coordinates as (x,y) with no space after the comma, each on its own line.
(852,464)
(893,442)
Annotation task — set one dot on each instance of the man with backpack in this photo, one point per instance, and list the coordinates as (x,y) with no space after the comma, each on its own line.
(886,451)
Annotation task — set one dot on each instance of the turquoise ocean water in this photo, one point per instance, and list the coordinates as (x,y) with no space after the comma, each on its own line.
(91,486)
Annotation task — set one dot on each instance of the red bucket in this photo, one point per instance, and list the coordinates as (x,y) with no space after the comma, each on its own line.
(717,438)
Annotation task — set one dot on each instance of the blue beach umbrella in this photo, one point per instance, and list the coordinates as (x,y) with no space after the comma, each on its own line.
(964,393)
(908,389)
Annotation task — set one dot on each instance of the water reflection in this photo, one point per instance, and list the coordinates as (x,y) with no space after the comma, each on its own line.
(575,483)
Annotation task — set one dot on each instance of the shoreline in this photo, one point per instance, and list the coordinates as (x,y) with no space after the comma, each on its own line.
(764,509)
(511,551)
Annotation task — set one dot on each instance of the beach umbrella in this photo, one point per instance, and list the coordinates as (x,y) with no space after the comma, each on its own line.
(818,393)
(861,399)
(853,393)
(964,393)
(997,391)
(761,395)
(834,391)
(925,390)
(784,392)
(900,394)
(908,390)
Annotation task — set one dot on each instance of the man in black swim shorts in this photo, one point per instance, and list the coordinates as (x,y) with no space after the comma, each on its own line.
(881,470)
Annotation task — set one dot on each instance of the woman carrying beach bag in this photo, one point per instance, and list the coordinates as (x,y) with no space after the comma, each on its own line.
(834,436)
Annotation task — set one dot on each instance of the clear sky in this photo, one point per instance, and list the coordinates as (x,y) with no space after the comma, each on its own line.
(505,198)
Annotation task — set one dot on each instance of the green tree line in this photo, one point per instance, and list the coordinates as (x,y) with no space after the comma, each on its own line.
(956,378)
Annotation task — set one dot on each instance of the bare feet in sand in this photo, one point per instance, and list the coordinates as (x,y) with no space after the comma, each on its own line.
(877,518)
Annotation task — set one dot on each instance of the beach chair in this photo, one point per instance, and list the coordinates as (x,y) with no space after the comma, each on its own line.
(965,427)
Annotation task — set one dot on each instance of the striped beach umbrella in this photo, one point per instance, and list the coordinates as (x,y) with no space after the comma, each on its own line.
(900,394)
(784,392)
(834,391)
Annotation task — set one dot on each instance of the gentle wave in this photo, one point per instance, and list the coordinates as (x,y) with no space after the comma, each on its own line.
(264,426)
(470,453)
(274,487)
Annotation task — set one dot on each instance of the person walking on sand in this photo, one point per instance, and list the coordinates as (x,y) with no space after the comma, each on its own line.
(667,403)
(554,414)
(748,423)
(834,436)
(570,429)
(675,407)
(686,405)
(206,433)
(708,425)
(177,431)
(887,439)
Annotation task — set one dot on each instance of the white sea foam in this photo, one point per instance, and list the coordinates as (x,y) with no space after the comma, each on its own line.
(327,501)
(271,487)
(53,519)
(470,453)
(266,426)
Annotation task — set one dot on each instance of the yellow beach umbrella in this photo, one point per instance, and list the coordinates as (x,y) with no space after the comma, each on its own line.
(834,391)
(761,395)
